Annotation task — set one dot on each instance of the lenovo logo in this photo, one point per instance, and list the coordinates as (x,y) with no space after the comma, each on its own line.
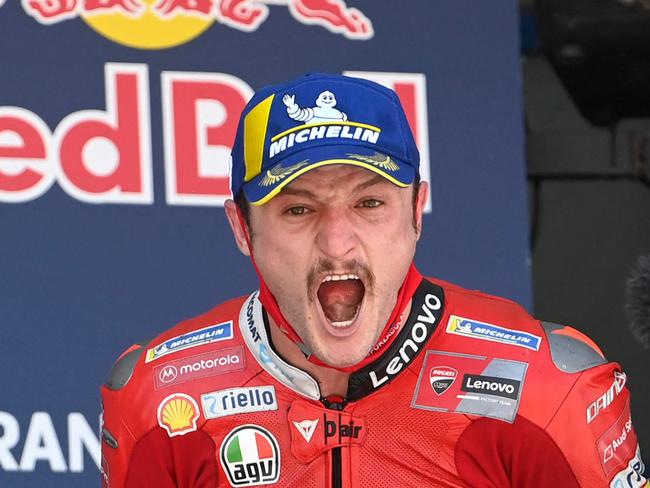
(419,332)
(491,385)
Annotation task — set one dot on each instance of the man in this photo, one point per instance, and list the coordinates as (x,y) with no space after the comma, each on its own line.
(347,368)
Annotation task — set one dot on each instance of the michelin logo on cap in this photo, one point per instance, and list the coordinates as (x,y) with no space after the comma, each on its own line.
(323,121)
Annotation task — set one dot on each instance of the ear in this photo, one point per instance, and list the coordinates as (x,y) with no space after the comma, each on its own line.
(420,203)
(238,226)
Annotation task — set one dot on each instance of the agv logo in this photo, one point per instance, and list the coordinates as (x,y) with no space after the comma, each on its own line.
(250,455)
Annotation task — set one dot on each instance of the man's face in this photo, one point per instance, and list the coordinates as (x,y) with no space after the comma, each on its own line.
(334,247)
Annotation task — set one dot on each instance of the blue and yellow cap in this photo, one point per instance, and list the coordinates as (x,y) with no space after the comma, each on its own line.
(317,120)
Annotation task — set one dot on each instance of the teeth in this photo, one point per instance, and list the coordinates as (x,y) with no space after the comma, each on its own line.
(341,277)
(344,323)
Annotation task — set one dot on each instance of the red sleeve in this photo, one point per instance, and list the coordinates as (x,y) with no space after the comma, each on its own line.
(136,451)
(593,428)
(117,439)
(589,442)
(159,461)
(492,453)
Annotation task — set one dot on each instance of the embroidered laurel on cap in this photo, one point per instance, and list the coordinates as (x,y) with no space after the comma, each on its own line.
(278,173)
(318,120)
(380,160)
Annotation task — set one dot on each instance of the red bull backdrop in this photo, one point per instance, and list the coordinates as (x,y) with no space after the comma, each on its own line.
(116,118)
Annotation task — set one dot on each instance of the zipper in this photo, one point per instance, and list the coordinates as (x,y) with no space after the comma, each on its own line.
(337,469)
(337,404)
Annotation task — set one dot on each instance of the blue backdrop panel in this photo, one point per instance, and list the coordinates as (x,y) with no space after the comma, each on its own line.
(80,280)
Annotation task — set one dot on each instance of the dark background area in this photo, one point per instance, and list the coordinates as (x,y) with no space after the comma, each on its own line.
(589,192)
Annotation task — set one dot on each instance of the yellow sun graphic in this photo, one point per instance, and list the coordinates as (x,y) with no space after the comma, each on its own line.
(148,29)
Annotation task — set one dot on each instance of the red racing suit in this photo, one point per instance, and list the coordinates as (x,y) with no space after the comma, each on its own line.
(472,392)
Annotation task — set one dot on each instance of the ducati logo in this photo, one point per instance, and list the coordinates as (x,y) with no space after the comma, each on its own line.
(306,428)
(168,374)
(441,378)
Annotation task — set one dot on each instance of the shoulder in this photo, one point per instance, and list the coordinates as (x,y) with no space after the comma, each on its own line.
(199,354)
(546,359)
(549,382)
(216,325)
(490,321)
(499,320)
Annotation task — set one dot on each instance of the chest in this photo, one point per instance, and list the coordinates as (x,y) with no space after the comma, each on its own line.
(381,440)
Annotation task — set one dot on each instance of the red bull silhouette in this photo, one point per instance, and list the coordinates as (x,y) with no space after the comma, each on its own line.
(169,8)
(51,11)
(333,15)
(132,8)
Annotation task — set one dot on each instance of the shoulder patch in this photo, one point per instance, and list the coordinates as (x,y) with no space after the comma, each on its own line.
(123,368)
(571,350)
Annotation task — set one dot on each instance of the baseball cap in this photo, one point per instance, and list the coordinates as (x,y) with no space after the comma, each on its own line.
(316,120)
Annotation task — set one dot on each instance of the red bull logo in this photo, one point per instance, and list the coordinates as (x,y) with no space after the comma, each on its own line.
(157,20)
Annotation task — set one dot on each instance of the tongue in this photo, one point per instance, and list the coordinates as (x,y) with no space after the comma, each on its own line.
(340,299)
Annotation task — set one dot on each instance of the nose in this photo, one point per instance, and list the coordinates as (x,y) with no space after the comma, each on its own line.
(336,237)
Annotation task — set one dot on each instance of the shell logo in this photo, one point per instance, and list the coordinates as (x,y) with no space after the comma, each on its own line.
(178,414)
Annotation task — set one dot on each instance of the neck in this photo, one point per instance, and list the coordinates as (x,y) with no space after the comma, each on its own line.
(331,381)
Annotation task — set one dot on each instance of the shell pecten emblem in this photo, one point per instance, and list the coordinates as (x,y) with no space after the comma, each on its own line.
(178,413)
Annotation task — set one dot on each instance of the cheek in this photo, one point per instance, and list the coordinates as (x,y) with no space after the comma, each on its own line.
(393,229)
(392,249)
(281,261)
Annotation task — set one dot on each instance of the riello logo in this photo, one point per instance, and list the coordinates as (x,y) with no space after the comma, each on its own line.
(105,156)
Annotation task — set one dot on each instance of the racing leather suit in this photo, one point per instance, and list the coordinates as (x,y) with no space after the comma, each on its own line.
(472,392)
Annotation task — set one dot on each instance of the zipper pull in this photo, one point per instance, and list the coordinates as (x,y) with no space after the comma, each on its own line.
(334,402)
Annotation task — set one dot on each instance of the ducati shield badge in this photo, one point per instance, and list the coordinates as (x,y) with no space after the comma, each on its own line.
(250,456)
(441,378)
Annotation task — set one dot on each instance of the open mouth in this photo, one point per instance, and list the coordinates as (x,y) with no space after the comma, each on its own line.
(340,297)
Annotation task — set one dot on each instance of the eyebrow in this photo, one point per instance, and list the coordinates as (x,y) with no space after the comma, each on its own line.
(288,190)
(376,179)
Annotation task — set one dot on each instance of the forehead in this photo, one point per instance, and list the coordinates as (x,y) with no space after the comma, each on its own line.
(337,177)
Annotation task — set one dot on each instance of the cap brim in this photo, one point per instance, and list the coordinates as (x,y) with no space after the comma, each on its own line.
(270,182)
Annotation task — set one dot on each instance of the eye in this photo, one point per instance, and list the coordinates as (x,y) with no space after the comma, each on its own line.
(296,210)
(371,203)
